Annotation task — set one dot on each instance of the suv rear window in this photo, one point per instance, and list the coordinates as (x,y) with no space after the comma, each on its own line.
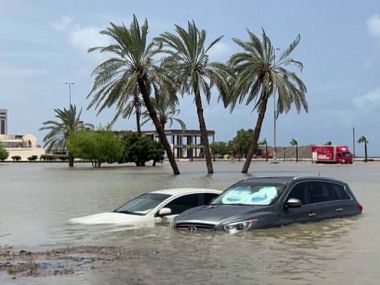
(318,191)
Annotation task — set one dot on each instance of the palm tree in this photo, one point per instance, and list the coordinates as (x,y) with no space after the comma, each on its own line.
(165,107)
(127,104)
(260,75)
(67,123)
(328,143)
(364,140)
(131,65)
(294,142)
(187,59)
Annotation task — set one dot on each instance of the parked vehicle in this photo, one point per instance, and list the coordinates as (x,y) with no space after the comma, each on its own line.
(331,154)
(263,202)
(154,207)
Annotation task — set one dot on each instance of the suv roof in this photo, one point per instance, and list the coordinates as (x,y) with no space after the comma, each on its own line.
(287,179)
(271,179)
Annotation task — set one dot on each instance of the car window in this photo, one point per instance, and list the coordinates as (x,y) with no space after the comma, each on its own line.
(206,198)
(299,191)
(183,203)
(340,190)
(318,191)
(323,191)
(142,204)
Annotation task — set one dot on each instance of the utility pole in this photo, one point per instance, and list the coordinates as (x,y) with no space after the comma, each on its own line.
(353,141)
(69,84)
(274,126)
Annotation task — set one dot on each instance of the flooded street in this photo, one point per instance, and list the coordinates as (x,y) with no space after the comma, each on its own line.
(37,200)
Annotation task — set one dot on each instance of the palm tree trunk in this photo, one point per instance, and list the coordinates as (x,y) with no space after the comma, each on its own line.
(297,152)
(256,134)
(203,130)
(157,124)
(365,152)
(138,112)
(138,116)
(71,160)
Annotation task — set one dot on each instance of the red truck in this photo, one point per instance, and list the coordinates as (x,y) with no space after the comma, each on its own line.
(331,154)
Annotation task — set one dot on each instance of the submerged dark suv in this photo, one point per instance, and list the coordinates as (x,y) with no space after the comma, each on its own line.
(262,202)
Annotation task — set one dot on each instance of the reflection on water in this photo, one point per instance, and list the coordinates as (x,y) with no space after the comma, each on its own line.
(37,200)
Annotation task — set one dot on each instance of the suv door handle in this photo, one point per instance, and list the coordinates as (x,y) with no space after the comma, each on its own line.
(339,210)
(312,214)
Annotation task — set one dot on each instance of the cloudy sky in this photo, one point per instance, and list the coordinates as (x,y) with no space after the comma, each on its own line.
(44,44)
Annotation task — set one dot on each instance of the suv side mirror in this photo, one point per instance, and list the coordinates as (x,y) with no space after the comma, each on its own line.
(164,212)
(293,203)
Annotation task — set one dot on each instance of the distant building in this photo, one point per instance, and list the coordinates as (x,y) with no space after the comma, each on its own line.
(3,122)
(24,146)
(184,143)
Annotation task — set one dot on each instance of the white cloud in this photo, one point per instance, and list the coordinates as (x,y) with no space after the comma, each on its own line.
(63,24)
(368,101)
(219,51)
(81,38)
(84,38)
(23,72)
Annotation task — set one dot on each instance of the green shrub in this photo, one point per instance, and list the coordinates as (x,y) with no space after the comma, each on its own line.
(96,146)
(46,157)
(16,158)
(32,158)
(3,153)
(140,149)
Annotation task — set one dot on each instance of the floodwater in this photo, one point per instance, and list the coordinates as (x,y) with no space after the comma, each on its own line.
(38,199)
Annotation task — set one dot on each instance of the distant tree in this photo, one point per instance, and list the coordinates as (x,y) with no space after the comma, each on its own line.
(260,75)
(328,143)
(68,122)
(294,142)
(364,141)
(96,146)
(240,144)
(3,153)
(218,148)
(140,149)
(265,143)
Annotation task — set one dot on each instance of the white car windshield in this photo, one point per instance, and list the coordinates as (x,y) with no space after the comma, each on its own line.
(249,195)
(143,204)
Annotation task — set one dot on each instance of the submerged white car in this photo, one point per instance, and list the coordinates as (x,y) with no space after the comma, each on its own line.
(157,207)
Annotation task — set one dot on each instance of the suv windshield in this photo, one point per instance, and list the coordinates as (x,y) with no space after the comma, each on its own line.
(249,195)
(142,204)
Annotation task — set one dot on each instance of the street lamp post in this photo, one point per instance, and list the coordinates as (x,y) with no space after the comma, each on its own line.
(69,84)
(353,141)
(274,126)
(274,112)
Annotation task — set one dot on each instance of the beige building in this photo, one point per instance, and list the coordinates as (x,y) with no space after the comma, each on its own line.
(21,145)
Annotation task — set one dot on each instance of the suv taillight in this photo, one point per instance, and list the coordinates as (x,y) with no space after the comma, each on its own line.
(359,207)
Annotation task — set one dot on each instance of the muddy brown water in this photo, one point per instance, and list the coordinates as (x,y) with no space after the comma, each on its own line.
(36,201)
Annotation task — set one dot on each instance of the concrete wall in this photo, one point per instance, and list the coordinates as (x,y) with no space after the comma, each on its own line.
(25,152)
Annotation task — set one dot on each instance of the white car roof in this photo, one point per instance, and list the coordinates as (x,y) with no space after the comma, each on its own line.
(176,191)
